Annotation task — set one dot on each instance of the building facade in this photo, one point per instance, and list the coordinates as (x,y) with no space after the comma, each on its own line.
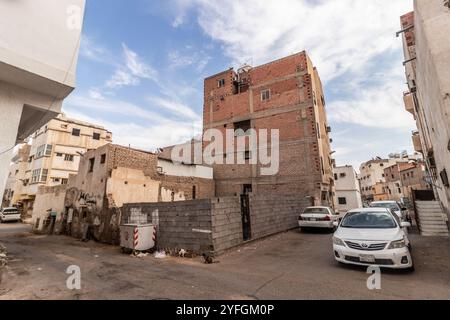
(284,95)
(347,194)
(55,153)
(112,176)
(372,179)
(15,183)
(39,48)
(426,44)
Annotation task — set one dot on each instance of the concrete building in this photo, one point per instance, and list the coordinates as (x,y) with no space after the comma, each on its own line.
(426,43)
(39,44)
(372,178)
(112,176)
(15,183)
(287,95)
(347,194)
(55,154)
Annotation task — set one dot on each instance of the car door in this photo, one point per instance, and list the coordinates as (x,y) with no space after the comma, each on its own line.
(335,217)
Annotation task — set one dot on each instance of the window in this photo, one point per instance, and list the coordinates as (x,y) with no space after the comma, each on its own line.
(220,83)
(194,192)
(103,158)
(64,126)
(335,176)
(96,136)
(247,155)
(91,164)
(40,151)
(265,95)
(64,181)
(242,127)
(44,175)
(343,175)
(76,132)
(59,154)
(342,200)
(69,157)
(56,180)
(444,178)
(48,150)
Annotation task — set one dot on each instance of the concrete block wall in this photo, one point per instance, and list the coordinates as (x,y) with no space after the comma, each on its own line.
(271,214)
(180,225)
(226,223)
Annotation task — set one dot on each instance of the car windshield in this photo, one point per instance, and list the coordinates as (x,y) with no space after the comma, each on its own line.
(369,220)
(316,211)
(388,205)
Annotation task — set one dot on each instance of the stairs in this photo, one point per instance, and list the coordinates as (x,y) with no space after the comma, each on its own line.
(431,219)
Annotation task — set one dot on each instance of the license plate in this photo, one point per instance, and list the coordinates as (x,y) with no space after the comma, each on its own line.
(367,258)
(312,219)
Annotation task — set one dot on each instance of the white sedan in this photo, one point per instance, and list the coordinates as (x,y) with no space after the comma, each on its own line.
(318,217)
(400,211)
(373,236)
(9,214)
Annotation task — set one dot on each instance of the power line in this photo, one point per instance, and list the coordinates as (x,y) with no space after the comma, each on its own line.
(56,96)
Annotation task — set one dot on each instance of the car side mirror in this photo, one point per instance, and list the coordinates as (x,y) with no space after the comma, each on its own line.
(405,225)
(336,224)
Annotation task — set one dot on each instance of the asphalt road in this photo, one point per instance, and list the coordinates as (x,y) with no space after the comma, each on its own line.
(292,265)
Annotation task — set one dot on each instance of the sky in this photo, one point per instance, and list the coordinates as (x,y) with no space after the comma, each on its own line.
(142,64)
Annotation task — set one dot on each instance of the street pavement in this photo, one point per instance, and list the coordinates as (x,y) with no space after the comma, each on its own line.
(292,265)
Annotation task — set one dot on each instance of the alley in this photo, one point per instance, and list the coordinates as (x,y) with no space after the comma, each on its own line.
(292,265)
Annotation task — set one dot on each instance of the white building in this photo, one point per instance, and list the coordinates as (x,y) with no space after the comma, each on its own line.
(347,194)
(39,44)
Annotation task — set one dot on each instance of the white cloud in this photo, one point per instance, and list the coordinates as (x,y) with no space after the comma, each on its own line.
(156,132)
(131,71)
(95,93)
(188,57)
(175,107)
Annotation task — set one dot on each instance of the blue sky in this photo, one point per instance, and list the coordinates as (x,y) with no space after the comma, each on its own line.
(142,65)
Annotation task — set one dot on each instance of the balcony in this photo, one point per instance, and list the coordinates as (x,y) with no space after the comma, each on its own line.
(416,141)
(409,102)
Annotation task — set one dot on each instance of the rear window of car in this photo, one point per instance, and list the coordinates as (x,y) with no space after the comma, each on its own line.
(369,220)
(10,211)
(392,206)
(316,211)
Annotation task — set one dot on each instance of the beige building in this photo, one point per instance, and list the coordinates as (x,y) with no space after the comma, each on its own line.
(55,153)
(112,176)
(15,183)
(426,43)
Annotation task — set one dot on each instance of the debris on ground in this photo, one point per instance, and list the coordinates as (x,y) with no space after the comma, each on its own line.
(160,254)
(138,254)
(208,258)
(182,253)
(3,257)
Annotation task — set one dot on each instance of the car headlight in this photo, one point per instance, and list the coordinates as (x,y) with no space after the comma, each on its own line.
(397,244)
(338,242)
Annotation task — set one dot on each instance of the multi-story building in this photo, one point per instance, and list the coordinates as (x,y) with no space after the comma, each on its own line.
(18,168)
(55,154)
(372,178)
(426,44)
(347,194)
(39,44)
(284,95)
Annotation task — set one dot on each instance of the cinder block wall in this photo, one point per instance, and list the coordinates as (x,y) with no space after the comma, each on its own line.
(271,214)
(181,225)
(226,223)
(215,225)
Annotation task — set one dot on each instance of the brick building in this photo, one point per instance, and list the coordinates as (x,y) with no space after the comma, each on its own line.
(285,94)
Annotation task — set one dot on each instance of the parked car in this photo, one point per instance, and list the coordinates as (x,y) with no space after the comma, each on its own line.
(318,217)
(399,210)
(373,236)
(9,214)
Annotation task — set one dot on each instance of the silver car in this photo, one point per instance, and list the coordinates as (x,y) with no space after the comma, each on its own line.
(318,217)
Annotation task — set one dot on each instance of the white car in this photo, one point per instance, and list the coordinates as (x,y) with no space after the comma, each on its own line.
(318,217)
(373,236)
(400,211)
(9,214)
